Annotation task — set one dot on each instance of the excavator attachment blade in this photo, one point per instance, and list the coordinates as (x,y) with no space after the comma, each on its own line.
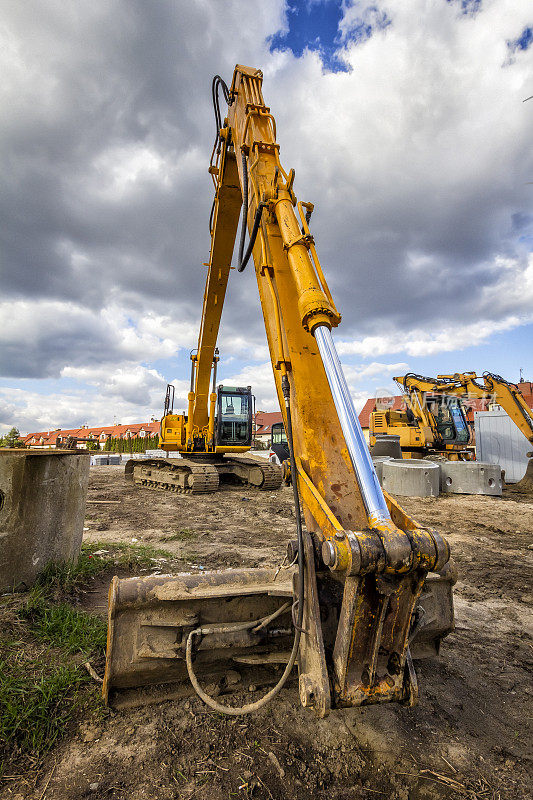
(525,484)
(150,619)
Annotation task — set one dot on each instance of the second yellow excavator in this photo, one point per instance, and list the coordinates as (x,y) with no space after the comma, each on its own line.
(434,419)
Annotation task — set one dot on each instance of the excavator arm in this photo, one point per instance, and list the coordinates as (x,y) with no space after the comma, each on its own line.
(369,583)
(225,218)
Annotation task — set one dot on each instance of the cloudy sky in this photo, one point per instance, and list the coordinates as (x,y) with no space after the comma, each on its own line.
(405,122)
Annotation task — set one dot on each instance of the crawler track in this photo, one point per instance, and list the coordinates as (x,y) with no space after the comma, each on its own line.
(272,473)
(188,476)
(183,476)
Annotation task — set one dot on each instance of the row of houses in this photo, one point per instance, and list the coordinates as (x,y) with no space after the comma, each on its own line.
(99,434)
(51,439)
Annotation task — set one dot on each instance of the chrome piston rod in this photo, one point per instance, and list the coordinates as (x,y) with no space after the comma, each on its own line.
(373,498)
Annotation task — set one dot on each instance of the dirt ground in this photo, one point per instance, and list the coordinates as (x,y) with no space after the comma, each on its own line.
(469,736)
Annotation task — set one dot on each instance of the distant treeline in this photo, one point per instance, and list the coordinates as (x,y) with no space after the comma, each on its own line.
(136,444)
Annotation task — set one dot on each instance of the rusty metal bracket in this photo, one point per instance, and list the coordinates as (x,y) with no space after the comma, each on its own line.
(370,652)
(306,239)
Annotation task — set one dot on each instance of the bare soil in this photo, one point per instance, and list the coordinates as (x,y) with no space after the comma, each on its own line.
(470,735)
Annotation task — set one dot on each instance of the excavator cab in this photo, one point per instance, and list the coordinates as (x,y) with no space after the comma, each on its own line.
(450,419)
(234,416)
(280,445)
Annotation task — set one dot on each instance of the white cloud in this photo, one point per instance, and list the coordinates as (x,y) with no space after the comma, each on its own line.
(418,161)
(260,378)
(134,384)
(354,373)
(44,338)
(420,342)
(31,411)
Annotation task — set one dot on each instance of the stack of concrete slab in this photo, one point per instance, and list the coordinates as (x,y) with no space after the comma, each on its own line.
(471,477)
(99,461)
(411,477)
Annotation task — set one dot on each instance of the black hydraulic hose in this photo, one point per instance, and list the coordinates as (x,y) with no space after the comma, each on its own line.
(244,258)
(236,711)
(218,83)
(285,387)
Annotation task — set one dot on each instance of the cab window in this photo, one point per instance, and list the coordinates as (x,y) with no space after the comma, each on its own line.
(234,419)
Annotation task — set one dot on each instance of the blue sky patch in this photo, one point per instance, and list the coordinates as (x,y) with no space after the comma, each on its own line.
(524,40)
(467,6)
(314,25)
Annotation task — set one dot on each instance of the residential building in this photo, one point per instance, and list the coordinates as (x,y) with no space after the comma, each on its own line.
(99,433)
(262,429)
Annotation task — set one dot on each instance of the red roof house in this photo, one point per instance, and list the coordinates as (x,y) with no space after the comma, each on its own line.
(263,422)
(99,433)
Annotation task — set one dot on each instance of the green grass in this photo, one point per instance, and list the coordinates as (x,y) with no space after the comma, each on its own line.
(42,689)
(37,700)
(190,556)
(95,558)
(65,627)
(183,535)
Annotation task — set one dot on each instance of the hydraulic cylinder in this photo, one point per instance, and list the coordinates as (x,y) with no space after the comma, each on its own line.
(367,479)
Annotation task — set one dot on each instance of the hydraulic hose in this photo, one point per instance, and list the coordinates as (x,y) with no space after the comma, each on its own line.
(236,711)
(243,259)
(219,83)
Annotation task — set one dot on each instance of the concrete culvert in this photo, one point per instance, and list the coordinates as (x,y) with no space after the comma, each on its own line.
(411,477)
(42,508)
(378,462)
(387,445)
(471,477)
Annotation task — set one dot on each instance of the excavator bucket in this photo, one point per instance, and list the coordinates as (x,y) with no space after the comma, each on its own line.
(525,484)
(150,619)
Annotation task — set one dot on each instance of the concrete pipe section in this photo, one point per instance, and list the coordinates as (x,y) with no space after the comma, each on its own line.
(411,477)
(42,508)
(378,462)
(387,444)
(471,477)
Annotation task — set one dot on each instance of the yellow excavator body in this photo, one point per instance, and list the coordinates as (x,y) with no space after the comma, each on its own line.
(365,588)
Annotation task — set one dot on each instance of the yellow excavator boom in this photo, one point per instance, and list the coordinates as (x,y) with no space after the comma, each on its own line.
(368,587)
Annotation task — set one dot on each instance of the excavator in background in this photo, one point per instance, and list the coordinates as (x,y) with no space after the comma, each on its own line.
(279,451)
(431,424)
(364,589)
(210,438)
(434,420)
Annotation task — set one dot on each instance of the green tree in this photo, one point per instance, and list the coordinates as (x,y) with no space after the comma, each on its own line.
(12,439)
